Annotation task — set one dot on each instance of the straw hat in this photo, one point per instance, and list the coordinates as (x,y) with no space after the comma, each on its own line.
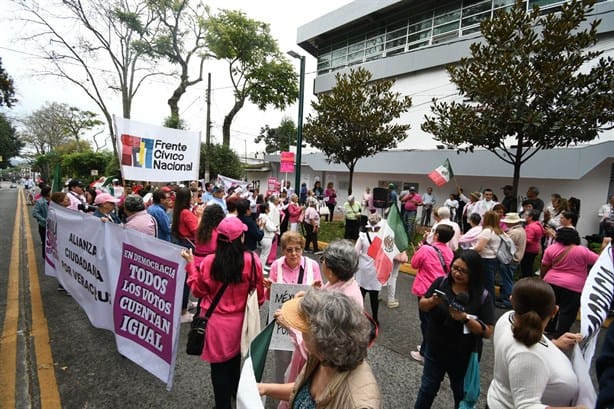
(293,315)
(511,218)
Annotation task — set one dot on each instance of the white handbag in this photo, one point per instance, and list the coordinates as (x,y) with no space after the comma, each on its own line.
(251,319)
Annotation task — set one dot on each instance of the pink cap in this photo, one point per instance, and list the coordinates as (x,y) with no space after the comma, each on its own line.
(104,198)
(231,227)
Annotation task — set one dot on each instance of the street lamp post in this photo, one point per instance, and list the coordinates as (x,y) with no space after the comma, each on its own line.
(299,126)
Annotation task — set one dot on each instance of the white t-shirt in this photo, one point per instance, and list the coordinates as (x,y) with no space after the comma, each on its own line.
(492,245)
(532,377)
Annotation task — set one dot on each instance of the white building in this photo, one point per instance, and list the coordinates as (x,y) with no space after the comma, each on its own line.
(411,41)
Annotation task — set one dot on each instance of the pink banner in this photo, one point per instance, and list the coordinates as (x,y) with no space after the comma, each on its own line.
(287,162)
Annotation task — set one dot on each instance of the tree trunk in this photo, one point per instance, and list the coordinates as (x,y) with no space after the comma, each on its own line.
(228,121)
(517,165)
(351,168)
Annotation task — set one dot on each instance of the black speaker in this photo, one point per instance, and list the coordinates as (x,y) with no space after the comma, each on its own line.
(381,198)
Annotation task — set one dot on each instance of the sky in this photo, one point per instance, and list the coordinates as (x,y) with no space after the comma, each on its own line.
(33,90)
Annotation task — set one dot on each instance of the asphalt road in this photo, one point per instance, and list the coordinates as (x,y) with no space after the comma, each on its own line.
(88,371)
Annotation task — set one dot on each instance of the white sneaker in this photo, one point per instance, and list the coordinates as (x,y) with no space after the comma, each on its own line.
(393,304)
(187,317)
(416,356)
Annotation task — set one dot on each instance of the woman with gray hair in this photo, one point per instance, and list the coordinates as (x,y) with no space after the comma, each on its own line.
(366,276)
(336,334)
(312,225)
(339,265)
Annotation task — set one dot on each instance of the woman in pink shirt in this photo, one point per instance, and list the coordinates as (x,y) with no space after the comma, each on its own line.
(431,261)
(206,235)
(230,269)
(291,268)
(294,212)
(565,266)
(183,232)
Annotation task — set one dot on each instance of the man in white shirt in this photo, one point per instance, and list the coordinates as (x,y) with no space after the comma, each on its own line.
(444,213)
(428,201)
(486,204)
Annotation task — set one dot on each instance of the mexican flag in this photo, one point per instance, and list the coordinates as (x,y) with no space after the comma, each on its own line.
(253,368)
(384,248)
(442,174)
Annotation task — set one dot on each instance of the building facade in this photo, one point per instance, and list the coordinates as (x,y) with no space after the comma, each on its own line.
(411,41)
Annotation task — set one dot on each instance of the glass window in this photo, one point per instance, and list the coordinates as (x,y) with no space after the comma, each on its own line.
(445,28)
(476,8)
(475,19)
(419,36)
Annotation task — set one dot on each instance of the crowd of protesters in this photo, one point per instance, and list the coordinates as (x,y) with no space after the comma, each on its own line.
(458,270)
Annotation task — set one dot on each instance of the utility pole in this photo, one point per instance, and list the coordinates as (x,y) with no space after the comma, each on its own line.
(208,127)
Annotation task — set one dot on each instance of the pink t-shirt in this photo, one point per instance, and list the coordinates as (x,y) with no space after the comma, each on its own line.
(570,272)
(429,267)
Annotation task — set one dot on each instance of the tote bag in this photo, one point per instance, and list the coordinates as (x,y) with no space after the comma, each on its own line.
(251,319)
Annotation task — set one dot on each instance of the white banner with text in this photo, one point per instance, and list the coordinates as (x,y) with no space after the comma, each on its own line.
(125,281)
(155,153)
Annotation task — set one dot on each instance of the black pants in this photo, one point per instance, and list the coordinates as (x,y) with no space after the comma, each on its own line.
(374,300)
(225,380)
(526,265)
(42,230)
(311,237)
(352,228)
(331,210)
(569,304)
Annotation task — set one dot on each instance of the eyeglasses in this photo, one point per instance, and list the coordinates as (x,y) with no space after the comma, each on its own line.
(294,250)
(459,269)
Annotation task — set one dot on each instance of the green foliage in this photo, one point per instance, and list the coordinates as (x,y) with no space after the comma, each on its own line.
(174,122)
(528,86)
(221,160)
(80,164)
(73,146)
(278,139)
(354,120)
(10,145)
(7,88)
(56,124)
(180,39)
(259,72)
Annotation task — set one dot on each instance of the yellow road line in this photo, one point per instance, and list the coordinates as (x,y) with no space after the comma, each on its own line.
(8,342)
(49,394)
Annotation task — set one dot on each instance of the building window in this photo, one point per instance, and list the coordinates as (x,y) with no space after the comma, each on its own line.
(414,31)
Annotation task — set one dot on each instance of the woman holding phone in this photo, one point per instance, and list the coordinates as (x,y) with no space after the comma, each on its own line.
(460,313)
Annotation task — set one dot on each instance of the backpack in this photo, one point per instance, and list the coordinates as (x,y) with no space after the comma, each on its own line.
(506,250)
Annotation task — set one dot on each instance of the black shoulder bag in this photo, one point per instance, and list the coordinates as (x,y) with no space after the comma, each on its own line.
(198,327)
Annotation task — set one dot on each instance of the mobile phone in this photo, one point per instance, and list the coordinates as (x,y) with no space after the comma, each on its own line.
(441,295)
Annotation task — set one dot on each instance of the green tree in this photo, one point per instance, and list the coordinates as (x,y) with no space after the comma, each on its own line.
(7,88)
(80,164)
(221,161)
(10,145)
(278,139)
(259,72)
(354,120)
(92,34)
(180,24)
(45,129)
(76,121)
(531,85)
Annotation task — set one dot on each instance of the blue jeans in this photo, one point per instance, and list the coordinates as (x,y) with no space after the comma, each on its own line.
(432,375)
(506,272)
(409,219)
(491,265)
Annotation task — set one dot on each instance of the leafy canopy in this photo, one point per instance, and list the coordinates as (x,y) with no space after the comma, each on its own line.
(259,72)
(10,145)
(7,89)
(355,119)
(532,84)
(221,161)
(278,139)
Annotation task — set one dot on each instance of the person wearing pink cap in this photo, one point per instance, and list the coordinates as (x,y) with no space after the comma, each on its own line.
(106,208)
(232,270)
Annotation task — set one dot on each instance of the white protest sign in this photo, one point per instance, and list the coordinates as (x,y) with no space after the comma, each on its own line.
(155,153)
(280,293)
